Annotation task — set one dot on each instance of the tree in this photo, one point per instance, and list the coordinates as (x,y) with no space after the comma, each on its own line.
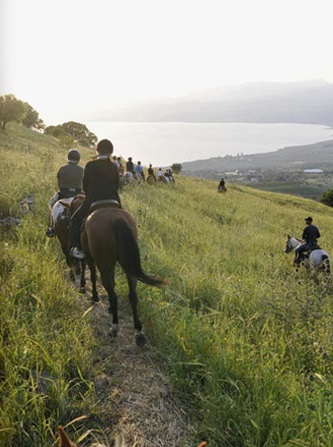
(11,109)
(176,168)
(80,133)
(327,197)
(58,132)
(31,118)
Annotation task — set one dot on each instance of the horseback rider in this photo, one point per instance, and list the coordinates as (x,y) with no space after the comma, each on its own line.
(130,166)
(139,170)
(310,236)
(69,183)
(100,182)
(151,172)
(120,166)
(221,186)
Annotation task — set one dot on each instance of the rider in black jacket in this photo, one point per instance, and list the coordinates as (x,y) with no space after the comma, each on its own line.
(310,235)
(100,182)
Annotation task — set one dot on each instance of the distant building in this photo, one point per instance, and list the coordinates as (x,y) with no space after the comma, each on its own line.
(313,171)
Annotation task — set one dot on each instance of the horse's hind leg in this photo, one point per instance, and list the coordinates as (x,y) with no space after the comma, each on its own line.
(140,337)
(82,276)
(93,279)
(107,278)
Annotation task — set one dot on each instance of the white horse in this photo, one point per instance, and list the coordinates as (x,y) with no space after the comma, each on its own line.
(317,259)
(133,179)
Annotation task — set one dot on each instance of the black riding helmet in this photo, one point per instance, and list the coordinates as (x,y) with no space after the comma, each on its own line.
(73,156)
(104,147)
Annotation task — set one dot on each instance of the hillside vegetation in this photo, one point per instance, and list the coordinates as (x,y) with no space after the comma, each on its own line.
(246,342)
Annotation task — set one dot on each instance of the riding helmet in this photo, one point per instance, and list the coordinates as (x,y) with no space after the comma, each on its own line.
(73,156)
(104,147)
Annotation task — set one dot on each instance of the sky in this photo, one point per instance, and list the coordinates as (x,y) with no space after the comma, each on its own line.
(66,56)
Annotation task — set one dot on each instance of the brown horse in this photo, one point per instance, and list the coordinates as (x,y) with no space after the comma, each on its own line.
(110,236)
(64,441)
(61,216)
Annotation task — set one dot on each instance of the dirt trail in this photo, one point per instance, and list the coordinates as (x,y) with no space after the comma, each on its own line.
(148,414)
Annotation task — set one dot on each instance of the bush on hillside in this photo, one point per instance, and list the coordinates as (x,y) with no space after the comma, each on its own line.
(176,168)
(327,197)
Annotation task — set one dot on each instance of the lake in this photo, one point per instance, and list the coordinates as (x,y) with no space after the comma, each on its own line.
(163,144)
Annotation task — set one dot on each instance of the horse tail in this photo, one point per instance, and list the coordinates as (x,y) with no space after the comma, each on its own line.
(326,263)
(128,255)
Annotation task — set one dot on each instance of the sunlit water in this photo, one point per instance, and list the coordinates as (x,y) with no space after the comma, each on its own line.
(165,143)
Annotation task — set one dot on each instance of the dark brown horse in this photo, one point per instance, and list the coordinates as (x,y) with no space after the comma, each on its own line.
(61,215)
(110,236)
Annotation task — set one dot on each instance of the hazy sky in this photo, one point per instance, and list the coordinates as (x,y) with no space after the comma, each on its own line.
(65,55)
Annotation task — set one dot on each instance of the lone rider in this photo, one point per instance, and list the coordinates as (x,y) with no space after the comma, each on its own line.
(221,186)
(69,183)
(100,182)
(310,236)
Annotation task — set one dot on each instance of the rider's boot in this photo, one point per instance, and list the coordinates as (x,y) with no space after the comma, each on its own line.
(50,232)
(75,237)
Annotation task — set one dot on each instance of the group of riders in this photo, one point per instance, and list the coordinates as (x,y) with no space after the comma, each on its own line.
(99,180)
(136,172)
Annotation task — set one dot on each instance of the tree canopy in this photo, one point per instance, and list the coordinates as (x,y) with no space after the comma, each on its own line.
(13,109)
(72,133)
(176,168)
(31,118)
(327,197)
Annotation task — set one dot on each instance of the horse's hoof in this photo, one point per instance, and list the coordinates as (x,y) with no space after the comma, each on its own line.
(82,290)
(95,299)
(140,339)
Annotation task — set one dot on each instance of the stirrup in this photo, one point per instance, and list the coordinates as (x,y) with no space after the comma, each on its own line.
(50,232)
(77,253)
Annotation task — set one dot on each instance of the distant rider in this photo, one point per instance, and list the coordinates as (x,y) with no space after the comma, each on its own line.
(310,235)
(221,186)
(130,166)
(151,172)
(69,183)
(139,170)
(100,182)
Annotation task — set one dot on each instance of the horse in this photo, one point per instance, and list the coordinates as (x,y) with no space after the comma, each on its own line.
(110,236)
(61,216)
(317,259)
(133,179)
(151,180)
(64,441)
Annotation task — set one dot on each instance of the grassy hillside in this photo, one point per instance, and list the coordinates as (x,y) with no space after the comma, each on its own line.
(246,342)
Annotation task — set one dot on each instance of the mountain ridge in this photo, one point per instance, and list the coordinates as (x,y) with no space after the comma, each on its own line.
(308,102)
(311,156)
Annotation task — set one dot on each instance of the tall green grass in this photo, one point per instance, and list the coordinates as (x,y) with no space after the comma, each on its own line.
(247,344)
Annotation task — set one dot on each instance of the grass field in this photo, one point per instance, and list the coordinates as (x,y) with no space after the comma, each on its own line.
(247,344)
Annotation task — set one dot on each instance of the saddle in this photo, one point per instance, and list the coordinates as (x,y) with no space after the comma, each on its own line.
(66,201)
(306,253)
(108,203)
(313,247)
(61,209)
